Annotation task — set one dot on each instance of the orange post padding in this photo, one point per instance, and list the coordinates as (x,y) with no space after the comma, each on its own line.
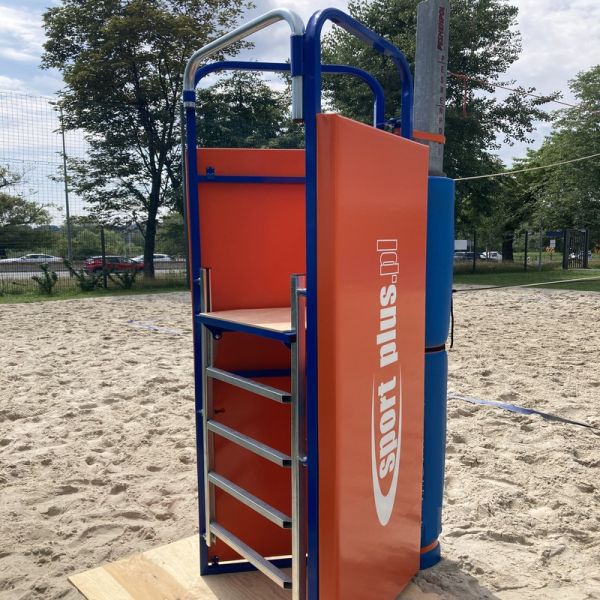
(371,243)
(252,237)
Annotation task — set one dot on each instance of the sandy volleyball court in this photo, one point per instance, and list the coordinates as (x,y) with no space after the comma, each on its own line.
(97,450)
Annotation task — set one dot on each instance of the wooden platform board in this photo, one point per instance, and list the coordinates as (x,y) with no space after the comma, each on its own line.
(171,573)
(274,319)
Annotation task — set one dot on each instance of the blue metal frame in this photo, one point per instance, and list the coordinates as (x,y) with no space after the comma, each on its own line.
(266,67)
(305,61)
(218,326)
(312,106)
(247,179)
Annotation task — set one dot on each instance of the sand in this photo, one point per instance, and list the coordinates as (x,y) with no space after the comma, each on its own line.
(97,451)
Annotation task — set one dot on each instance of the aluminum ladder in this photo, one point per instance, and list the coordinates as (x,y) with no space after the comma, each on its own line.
(292,333)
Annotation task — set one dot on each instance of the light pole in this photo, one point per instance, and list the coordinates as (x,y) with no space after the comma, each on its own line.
(67,208)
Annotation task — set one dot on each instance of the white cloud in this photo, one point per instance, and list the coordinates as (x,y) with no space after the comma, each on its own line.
(8,84)
(21,34)
(560,39)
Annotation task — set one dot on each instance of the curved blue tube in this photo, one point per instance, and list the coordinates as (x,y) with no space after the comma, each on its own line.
(358,30)
(379,103)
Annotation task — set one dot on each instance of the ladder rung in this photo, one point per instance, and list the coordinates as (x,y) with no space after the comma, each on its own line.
(247,384)
(260,562)
(250,443)
(250,500)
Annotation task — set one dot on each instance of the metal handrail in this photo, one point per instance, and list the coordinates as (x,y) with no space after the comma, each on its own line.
(358,30)
(273,16)
(378,93)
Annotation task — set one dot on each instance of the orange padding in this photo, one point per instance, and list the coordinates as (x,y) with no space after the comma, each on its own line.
(430,547)
(424,135)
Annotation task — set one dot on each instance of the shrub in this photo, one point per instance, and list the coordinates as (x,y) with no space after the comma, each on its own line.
(86,283)
(124,279)
(47,280)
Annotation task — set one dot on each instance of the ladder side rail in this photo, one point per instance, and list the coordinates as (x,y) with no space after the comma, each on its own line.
(206,360)
(298,440)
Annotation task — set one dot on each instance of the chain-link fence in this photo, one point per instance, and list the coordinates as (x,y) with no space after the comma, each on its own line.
(43,221)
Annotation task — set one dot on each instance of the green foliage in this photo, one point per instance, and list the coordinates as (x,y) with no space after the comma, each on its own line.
(47,280)
(124,279)
(18,212)
(483,45)
(18,217)
(242,111)
(85,282)
(171,235)
(569,195)
(122,64)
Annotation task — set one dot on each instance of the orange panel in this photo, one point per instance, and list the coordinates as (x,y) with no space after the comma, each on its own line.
(252,237)
(371,233)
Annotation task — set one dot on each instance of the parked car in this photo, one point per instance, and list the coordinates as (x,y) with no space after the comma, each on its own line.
(491,256)
(113,263)
(580,255)
(463,256)
(33,258)
(157,258)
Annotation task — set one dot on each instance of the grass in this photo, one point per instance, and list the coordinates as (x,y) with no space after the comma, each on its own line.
(532,276)
(28,291)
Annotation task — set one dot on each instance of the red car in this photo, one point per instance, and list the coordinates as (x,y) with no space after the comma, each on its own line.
(113,263)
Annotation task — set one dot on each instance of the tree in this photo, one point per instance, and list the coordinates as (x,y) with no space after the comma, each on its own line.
(569,194)
(18,216)
(122,63)
(17,212)
(171,234)
(483,45)
(242,111)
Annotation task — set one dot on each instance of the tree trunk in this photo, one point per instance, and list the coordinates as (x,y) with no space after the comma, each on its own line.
(150,243)
(507,245)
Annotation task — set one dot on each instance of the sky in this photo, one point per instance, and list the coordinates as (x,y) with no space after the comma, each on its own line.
(560,38)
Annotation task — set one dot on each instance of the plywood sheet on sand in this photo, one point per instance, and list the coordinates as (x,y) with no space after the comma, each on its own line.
(171,573)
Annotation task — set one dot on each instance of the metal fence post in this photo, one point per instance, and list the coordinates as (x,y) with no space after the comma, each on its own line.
(103,246)
(474,249)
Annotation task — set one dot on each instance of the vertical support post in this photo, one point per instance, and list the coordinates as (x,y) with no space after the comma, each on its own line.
(431,73)
(103,250)
(67,208)
(474,249)
(184,197)
(586,243)
(298,438)
(207,356)
(526,244)
(541,238)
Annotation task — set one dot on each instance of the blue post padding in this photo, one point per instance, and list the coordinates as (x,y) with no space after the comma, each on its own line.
(440,258)
(434,446)
(428,559)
